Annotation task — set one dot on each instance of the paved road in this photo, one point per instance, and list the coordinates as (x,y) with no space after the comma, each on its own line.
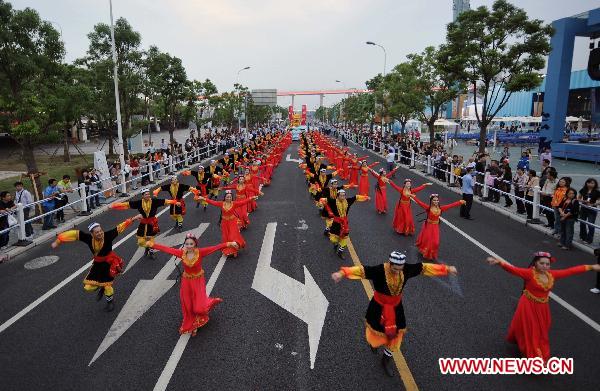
(252,343)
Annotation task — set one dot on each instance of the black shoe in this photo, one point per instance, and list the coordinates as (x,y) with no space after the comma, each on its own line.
(100,293)
(326,233)
(197,205)
(373,350)
(386,363)
(146,252)
(152,254)
(110,305)
(340,254)
(205,208)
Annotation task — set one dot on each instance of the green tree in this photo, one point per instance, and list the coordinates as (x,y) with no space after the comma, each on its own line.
(69,97)
(130,68)
(358,109)
(498,52)
(438,83)
(403,95)
(30,54)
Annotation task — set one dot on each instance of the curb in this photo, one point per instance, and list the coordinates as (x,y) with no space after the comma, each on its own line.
(501,210)
(15,252)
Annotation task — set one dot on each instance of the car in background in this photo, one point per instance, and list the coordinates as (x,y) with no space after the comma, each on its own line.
(296,131)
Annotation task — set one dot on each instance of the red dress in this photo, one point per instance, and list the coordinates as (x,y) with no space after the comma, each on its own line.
(363,179)
(403,218)
(428,241)
(230,231)
(531,323)
(242,192)
(195,304)
(380,191)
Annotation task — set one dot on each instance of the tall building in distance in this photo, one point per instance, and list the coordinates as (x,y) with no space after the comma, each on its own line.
(458,7)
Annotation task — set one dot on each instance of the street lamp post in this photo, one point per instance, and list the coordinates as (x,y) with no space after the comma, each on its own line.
(384,66)
(117,101)
(238,85)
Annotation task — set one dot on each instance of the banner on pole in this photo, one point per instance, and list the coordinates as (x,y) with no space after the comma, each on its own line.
(303,115)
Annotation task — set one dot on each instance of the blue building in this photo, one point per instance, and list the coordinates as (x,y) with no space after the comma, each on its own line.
(583,99)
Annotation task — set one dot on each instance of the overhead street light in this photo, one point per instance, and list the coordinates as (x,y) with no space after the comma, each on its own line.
(237,83)
(384,54)
(117,103)
(384,66)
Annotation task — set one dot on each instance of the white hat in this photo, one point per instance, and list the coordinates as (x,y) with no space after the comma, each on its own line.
(92,226)
(145,190)
(397,258)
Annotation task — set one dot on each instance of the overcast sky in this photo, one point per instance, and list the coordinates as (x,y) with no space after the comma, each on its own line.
(289,44)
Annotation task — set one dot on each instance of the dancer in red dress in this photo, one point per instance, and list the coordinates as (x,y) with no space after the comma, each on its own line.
(363,177)
(230,230)
(380,189)
(403,219)
(530,325)
(243,191)
(353,169)
(428,241)
(195,304)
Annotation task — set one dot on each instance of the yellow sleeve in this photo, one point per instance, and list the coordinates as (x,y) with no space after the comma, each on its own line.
(434,269)
(123,226)
(353,272)
(156,191)
(68,236)
(361,198)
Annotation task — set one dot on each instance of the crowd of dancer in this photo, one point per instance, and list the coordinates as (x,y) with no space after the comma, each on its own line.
(241,173)
(326,165)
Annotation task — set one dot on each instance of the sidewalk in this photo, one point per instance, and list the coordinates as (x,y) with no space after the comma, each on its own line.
(72,218)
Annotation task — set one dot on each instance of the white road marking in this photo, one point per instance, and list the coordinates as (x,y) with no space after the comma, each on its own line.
(288,158)
(40,262)
(169,369)
(145,294)
(552,295)
(304,301)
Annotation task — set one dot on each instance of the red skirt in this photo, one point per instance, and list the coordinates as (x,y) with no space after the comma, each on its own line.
(195,305)
(230,232)
(403,219)
(242,213)
(363,185)
(529,328)
(428,241)
(353,176)
(381,200)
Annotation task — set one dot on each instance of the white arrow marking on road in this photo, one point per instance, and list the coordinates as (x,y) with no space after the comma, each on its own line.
(145,294)
(305,301)
(167,373)
(289,159)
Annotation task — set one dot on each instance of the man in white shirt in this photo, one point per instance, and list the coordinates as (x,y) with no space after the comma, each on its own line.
(24,197)
(390,158)
(547,154)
